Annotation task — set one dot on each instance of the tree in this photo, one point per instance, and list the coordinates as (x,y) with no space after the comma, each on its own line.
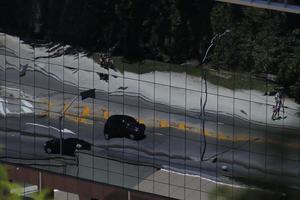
(6,186)
(260,41)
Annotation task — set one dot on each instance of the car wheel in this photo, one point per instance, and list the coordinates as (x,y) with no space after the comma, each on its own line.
(131,136)
(106,136)
(48,150)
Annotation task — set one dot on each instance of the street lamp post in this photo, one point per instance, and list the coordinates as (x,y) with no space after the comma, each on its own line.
(61,117)
(203,105)
(213,157)
(84,95)
(219,35)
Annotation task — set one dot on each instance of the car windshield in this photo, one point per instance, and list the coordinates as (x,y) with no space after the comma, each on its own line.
(126,119)
(130,120)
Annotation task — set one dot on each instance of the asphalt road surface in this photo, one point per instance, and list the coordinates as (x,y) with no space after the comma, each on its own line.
(169,148)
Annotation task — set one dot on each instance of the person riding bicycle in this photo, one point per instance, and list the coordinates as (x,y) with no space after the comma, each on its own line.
(279,102)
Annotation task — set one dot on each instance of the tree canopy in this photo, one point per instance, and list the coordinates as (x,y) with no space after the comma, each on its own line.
(260,41)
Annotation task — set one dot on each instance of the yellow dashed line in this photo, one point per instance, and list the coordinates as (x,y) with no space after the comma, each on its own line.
(163,124)
(141,121)
(84,114)
(181,126)
(105,113)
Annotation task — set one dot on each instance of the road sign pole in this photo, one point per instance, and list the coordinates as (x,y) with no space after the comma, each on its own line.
(84,95)
(61,117)
(60,134)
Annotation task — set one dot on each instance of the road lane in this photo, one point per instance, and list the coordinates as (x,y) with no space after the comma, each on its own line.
(164,151)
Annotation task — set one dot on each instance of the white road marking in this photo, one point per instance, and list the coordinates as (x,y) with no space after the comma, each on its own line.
(8,112)
(3,107)
(209,180)
(2,111)
(26,107)
(51,127)
(68,131)
(27,103)
(26,110)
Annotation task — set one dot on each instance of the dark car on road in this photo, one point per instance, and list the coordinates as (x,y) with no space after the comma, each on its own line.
(123,126)
(69,146)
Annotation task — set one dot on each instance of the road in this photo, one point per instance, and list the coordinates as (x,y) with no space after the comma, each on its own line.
(254,153)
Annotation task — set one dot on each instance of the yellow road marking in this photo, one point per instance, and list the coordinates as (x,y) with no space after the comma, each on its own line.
(141,121)
(163,124)
(105,113)
(181,126)
(84,114)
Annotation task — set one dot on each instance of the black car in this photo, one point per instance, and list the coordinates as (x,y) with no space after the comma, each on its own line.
(69,146)
(123,126)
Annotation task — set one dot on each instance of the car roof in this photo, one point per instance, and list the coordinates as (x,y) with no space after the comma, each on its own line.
(58,139)
(75,139)
(117,117)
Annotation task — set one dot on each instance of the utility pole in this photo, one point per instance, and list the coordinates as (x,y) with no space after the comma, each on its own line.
(203,105)
(61,117)
(84,95)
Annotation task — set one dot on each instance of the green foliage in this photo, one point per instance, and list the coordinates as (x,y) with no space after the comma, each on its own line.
(260,41)
(6,186)
(170,30)
(295,91)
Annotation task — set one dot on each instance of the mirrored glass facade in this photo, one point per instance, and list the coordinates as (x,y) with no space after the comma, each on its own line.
(152,126)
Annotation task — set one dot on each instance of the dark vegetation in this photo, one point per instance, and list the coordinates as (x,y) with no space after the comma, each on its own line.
(169,30)
(261,41)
